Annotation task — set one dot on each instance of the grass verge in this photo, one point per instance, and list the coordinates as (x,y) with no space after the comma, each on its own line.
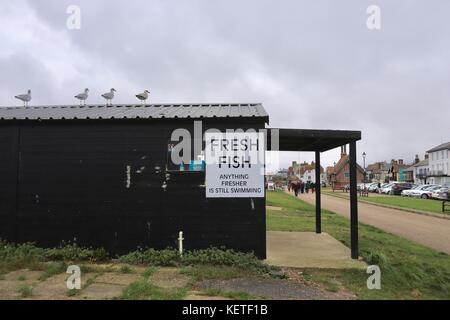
(428,205)
(53,268)
(25,291)
(409,270)
(142,290)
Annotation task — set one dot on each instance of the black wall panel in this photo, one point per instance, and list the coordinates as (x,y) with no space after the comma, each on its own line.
(99,184)
(8,181)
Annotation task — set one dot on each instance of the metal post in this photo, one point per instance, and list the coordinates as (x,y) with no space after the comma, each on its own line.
(364,166)
(180,242)
(318,204)
(353,202)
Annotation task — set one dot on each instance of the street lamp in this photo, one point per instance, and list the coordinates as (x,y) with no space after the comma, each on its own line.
(364,165)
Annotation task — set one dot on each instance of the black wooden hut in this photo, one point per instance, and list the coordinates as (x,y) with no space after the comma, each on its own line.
(100,176)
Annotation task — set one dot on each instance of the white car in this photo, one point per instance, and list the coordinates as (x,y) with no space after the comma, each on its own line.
(361,186)
(425,193)
(407,193)
(386,189)
(441,194)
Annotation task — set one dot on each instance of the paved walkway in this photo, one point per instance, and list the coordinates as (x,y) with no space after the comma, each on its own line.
(308,250)
(429,231)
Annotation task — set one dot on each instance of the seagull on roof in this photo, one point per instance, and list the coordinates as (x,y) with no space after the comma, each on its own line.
(143,96)
(109,95)
(24,97)
(83,96)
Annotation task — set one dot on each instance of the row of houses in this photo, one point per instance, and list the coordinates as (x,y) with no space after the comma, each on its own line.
(434,168)
(337,176)
(305,172)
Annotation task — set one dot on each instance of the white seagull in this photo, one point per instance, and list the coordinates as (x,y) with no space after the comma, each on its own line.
(109,95)
(143,96)
(25,98)
(83,96)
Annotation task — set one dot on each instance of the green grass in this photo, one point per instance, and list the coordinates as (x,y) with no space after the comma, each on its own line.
(142,290)
(72,292)
(125,269)
(409,270)
(24,256)
(323,276)
(411,203)
(399,201)
(148,272)
(28,256)
(209,256)
(53,268)
(22,278)
(25,291)
(92,268)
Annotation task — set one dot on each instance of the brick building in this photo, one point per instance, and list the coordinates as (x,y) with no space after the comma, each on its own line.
(339,175)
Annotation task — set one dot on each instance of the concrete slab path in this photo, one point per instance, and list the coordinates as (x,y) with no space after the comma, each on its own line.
(308,250)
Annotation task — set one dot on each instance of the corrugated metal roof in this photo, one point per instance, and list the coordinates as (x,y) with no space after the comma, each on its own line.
(151,111)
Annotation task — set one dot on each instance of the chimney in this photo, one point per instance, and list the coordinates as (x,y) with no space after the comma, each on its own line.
(417,160)
(343,150)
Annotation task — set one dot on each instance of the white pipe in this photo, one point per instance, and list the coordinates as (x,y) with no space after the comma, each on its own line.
(180,242)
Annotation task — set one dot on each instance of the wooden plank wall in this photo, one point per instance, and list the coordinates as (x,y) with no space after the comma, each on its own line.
(98,184)
(8,182)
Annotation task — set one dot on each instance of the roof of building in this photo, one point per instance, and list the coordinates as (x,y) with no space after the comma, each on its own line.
(421,163)
(301,168)
(443,146)
(342,163)
(378,167)
(136,111)
(308,140)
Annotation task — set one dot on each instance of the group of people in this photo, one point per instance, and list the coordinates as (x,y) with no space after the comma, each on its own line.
(301,187)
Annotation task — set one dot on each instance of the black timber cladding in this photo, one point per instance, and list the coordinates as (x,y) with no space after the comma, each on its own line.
(67,181)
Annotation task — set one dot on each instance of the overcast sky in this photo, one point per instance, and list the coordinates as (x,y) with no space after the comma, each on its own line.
(313,64)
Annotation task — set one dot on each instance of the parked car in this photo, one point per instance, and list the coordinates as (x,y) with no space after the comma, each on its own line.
(373,187)
(361,186)
(397,188)
(425,193)
(408,192)
(370,185)
(441,194)
(385,189)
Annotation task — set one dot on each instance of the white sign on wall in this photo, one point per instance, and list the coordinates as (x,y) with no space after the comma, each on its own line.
(234,164)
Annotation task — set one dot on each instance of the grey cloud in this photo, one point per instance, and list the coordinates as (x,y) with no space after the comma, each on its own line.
(21,72)
(312,64)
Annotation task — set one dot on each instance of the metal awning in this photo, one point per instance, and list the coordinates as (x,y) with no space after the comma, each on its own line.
(318,141)
(309,140)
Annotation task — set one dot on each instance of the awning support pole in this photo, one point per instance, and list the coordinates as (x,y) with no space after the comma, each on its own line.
(353,202)
(318,202)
